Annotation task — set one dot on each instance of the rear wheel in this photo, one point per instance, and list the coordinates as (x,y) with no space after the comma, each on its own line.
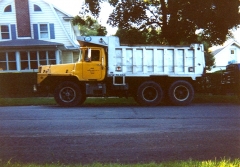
(149,94)
(69,94)
(181,93)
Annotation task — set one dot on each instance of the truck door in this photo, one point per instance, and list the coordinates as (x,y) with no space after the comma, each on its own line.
(92,64)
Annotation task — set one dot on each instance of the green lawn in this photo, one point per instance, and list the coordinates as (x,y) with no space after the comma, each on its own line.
(199,98)
(190,163)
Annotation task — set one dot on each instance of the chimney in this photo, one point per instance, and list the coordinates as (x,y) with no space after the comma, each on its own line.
(23,18)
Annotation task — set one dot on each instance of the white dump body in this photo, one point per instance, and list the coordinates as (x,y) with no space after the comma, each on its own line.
(144,61)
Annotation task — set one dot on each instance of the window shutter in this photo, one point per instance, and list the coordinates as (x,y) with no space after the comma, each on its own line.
(13,31)
(35,31)
(52,32)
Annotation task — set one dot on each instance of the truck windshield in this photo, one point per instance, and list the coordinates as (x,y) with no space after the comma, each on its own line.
(80,55)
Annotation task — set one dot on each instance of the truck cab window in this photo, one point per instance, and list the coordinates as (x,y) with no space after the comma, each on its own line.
(95,55)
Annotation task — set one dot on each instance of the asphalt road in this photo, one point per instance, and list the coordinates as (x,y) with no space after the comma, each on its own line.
(128,134)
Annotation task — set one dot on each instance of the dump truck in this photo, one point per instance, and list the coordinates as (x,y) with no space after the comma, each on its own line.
(105,68)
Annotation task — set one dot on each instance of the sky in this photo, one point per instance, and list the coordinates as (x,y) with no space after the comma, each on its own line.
(237,34)
(73,7)
(70,6)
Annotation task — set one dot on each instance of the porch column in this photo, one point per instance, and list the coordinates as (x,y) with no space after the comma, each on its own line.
(57,54)
(18,60)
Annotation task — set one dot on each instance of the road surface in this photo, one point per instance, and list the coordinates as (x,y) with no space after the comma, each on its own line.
(128,134)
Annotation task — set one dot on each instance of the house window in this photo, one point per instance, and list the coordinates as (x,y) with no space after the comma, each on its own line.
(43,58)
(12,65)
(8,61)
(32,59)
(51,57)
(232,52)
(37,8)
(44,31)
(24,60)
(5,31)
(8,9)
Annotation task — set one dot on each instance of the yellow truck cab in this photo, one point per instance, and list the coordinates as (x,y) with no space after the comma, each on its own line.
(91,66)
(106,68)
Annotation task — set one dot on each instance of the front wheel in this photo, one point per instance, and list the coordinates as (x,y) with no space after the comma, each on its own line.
(69,94)
(181,93)
(149,94)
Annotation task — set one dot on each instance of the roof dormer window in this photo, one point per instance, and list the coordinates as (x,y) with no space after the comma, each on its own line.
(37,8)
(8,8)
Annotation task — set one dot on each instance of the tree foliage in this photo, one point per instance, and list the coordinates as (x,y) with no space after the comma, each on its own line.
(173,22)
(135,36)
(180,19)
(89,26)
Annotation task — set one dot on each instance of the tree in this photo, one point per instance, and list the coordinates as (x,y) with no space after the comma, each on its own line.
(89,26)
(134,36)
(180,19)
(174,21)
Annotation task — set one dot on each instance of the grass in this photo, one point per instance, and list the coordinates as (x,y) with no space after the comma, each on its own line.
(31,101)
(189,163)
(35,101)
(203,98)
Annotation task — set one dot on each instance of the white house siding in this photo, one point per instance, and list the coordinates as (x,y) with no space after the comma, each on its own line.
(7,17)
(69,57)
(65,23)
(48,16)
(236,55)
(63,30)
(75,56)
(68,26)
(224,56)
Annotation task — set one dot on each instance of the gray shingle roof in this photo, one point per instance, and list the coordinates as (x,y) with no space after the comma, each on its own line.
(29,43)
(217,51)
(214,52)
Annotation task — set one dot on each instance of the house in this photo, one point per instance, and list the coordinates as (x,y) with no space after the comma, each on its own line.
(34,33)
(228,54)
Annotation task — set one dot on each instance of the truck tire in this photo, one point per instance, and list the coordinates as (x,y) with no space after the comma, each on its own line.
(181,93)
(149,93)
(69,94)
